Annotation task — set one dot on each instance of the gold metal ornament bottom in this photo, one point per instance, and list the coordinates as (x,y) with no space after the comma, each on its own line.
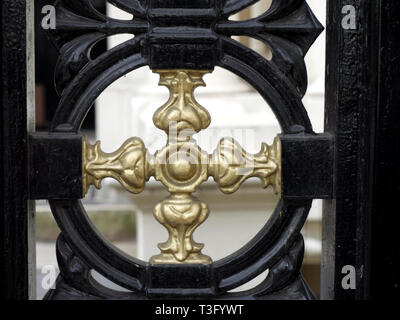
(181,166)
(181,214)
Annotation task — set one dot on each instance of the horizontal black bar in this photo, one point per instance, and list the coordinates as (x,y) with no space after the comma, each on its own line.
(183,4)
(182,35)
(55,166)
(178,13)
(307,166)
(177,281)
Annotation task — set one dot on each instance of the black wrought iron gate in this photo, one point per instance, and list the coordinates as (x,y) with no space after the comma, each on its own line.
(182,41)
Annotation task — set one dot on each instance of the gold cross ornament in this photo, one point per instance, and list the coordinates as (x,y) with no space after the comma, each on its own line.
(181,166)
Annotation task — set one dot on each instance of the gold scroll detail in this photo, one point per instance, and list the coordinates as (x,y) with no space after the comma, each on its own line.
(128,165)
(231,165)
(182,108)
(182,166)
(181,214)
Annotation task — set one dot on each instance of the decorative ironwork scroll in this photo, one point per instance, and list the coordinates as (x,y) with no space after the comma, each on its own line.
(180,45)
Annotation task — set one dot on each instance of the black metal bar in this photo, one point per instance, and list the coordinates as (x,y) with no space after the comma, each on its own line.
(307,166)
(14,275)
(385,247)
(181,35)
(167,279)
(55,166)
(351,94)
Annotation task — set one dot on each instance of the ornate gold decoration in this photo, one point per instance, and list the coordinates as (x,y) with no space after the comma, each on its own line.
(181,166)
(182,108)
(128,165)
(181,214)
(231,165)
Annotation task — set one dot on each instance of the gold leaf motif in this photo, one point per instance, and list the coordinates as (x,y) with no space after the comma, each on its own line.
(231,165)
(182,108)
(127,165)
(181,215)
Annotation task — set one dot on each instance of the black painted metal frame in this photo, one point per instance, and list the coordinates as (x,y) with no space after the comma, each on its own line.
(362,112)
(360,225)
(185,35)
(14,274)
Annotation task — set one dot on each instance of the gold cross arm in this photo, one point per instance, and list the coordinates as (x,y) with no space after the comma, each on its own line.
(181,166)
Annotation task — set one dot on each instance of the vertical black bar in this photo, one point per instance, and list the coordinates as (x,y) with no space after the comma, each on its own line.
(351,98)
(385,256)
(13,145)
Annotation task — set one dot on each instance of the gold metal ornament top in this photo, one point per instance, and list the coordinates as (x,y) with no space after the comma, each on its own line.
(181,166)
(182,111)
